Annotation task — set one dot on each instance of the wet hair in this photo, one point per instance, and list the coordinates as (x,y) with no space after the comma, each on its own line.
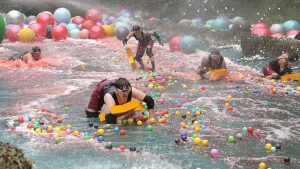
(293,57)
(215,51)
(36,49)
(121,82)
(136,28)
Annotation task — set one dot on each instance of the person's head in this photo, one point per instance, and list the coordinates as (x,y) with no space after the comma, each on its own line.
(293,57)
(36,53)
(214,52)
(122,88)
(136,29)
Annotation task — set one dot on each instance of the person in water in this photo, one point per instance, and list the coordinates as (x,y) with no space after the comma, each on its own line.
(145,43)
(210,62)
(28,57)
(115,92)
(280,66)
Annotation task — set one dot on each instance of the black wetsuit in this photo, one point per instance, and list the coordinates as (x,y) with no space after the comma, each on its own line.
(276,67)
(17,56)
(144,40)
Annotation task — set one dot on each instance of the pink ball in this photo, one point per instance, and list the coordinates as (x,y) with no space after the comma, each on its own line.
(97,32)
(78,20)
(258,131)
(45,19)
(277,35)
(39,30)
(161,101)
(93,14)
(261,32)
(260,25)
(122,147)
(59,32)
(84,34)
(87,24)
(12,32)
(174,43)
(292,32)
(214,153)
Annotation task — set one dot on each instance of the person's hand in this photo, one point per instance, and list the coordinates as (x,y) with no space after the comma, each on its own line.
(125,41)
(161,43)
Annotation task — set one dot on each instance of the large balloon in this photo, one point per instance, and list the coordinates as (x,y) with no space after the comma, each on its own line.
(14,17)
(97,32)
(59,32)
(277,28)
(174,43)
(291,24)
(2,28)
(78,20)
(45,19)
(241,25)
(62,15)
(121,32)
(26,35)
(12,32)
(93,14)
(39,30)
(188,44)
(220,23)
(87,24)
(109,30)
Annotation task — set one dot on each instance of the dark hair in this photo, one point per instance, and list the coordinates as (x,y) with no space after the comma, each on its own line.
(293,57)
(36,49)
(215,51)
(136,28)
(121,82)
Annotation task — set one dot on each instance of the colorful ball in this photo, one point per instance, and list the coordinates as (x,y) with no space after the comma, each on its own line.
(214,153)
(59,32)
(97,32)
(93,14)
(45,19)
(12,32)
(121,32)
(197,141)
(62,15)
(188,44)
(39,30)
(262,165)
(268,146)
(220,23)
(100,132)
(109,30)
(14,17)
(205,142)
(122,132)
(174,43)
(291,24)
(78,20)
(87,24)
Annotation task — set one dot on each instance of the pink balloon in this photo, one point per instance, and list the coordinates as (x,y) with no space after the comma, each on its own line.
(59,32)
(78,20)
(260,25)
(39,30)
(12,32)
(174,43)
(87,24)
(293,32)
(93,14)
(45,19)
(261,32)
(84,34)
(214,153)
(97,32)
(277,35)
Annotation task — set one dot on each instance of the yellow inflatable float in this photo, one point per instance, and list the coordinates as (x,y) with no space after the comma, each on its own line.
(293,76)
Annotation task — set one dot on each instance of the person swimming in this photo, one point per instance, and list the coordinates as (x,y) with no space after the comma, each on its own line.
(28,57)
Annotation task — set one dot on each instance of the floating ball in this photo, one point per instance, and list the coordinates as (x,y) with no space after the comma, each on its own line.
(100,132)
(277,28)
(205,142)
(231,139)
(220,23)
(261,31)
(14,17)
(109,30)
(84,34)
(93,14)
(262,165)
(239,136)
(97,32)
(278,146)
(197,141)
(149,128)
(122,132)
(62,15)
(57,140)
(76,132)
(250,130)
(258,131)
(290,25)
(292,32)
(273,149)
(78,20)
(121,32)
(87,24)
(139,123)
(45,19)
(174,43)
(75,34)
(188,44)
(59,32)
(241,25)
(214,153)
(152,120)
(100,138)
(287,159)
(12,32)
(39,31)
(122,147)
(107,126)
(268,146)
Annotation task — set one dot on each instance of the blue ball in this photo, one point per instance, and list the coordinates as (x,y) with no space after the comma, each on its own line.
(100,138)
(291,24)
(203,127)
(116,129)
(86,134)
(62,15)
(122,24)
(127,14)
(220,23)
(72,26)
(188,44)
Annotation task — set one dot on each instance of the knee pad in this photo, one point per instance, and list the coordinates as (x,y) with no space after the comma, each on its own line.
(149,52)
(138,58)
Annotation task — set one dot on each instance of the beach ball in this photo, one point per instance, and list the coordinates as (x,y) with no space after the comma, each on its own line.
(39,30)
(59,32)
(109,30)
(121,32)
(93,14)
(241,25)
(14,17)
(214,153)
(97,32)
(188,44)
(12,32)
(174,43)
(62,15)
(277,28)
(220,23)
(290,25)
(45,19)
(84,34)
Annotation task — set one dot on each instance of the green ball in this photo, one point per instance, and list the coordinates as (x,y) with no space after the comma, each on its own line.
(204,106)
(66,108)
(189,123)
(87,137)
(16,123)
(195,135)
(57,140)
(38,119)
(231,139)
(61,127)
(107,126)
(124,121)
(149,128)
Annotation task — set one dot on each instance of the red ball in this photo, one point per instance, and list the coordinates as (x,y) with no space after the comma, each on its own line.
(122,132)
(261,32)
(93,14)
(12,128)
(174,43)
(49,130)
(97,32)
(250,130)
(230,108)
(141,117)
(45,19)
(59,32)
(122,147)
(20,119)
(277,35)
(84,34)
(203,87)
(78,20)
(87,24)
(39,30)
(29,126)
(260,25)
(12,32)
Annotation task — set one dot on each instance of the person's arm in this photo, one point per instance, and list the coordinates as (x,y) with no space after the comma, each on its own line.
(282,63)
(130,35)
(27,58)
(108,101)
(152,33)
(139,95)
(204,67)
(223,65)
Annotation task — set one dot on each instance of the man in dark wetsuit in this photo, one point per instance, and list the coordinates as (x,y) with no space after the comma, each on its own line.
(145,44)
(115,92)
(28,57)
(210,62)
(280,66)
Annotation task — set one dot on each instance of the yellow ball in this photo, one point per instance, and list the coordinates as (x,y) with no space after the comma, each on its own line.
(268,146)
(76,133)
(262,165)
(188,113)
(152,120)
(159,120)
(167,116)
(26,35)
(139,123)
(227,104)
(185,86)
(197,129)
(109,30)
(298,88)
(44,131)
(193,90)
(100,132)
(197,141)
(130,121)
(69,126)
(50,127)
(205,142)
(119,121)
(177,113)
(288,87)
(198,113)
(170,77)
(63,132)
(57,129)
(229,97)
(38,131)
(169,85)
(196,122)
